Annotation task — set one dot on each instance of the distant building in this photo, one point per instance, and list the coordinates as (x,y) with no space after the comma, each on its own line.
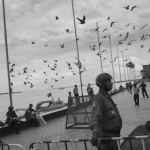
(146,71)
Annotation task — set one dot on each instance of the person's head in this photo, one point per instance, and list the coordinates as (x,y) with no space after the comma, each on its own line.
(10,108)
(69,93)
(104,80)
(89,84)
(75,86)
(30,105)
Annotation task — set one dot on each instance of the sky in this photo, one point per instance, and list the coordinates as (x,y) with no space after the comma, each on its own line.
(35,37)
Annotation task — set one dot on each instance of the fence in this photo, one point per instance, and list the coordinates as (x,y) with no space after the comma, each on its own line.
(128,143)
(78,112)
(4,146)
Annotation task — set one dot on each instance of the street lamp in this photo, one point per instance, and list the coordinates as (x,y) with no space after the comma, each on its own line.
(97,29)
(76,37)
(112,61)
(119,65)
(123,66)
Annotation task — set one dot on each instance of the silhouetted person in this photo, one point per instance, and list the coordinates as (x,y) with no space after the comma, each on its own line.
(143,87)
(136,91)
(76,94)
(30,115)
(70,99)
(12,119)
(130,87)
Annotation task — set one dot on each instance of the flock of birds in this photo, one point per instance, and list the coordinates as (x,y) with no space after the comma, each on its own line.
(28,74)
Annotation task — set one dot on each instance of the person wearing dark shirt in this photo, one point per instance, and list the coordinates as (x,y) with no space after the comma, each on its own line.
(12,119)
(105,120)
(30,115)
(143,87)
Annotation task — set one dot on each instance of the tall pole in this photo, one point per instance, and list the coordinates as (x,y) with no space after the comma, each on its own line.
(97,29)
(123,66)
(76,37)
(7,56)
(127,68)
(112,61)
(119,65)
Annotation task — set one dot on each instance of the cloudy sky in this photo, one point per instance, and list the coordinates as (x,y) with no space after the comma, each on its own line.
(35,38)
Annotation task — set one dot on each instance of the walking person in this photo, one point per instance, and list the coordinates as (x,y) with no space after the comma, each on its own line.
(105,120)
(130,87)
(143,87)
(136,91)
(90,91)
(76,94)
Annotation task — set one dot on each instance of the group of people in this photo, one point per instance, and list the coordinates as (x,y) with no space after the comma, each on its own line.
(136,90)
(90,93)
(13,121)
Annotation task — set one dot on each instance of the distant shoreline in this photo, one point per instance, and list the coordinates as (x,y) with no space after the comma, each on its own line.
(8,93)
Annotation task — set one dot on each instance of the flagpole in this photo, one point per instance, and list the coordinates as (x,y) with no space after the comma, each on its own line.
(127,69)
(77,47)
(112,62)
(123,66)
(119,65)
(99,46)
(7,56)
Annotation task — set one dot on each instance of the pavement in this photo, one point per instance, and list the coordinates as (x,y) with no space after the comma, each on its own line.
(132,117)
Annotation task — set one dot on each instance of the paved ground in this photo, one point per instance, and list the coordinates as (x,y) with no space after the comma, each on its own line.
(55,129)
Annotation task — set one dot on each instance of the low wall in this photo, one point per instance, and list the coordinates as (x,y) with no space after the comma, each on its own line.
(5,130)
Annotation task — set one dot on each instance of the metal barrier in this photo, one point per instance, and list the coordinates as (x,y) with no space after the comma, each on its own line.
(84,144)
(4,146)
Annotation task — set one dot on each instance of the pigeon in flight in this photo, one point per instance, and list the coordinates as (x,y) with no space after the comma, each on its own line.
(56,18)
(144,26)
(127,7)
(67,30)
(82,21)
(108,18)
(112,23)
(44,61)
(134,7)
(32,42)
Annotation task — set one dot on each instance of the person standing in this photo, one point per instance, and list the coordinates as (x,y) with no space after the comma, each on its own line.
(70,99)
(105,120)
(143,87)
(88,89)
(76,94)
(130,87)
(136,91)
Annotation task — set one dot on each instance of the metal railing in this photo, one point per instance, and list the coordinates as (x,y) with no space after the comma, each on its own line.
(84,144)
(4,146)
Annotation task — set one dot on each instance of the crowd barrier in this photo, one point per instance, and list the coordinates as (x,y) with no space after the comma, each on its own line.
(84,144)
(4,146)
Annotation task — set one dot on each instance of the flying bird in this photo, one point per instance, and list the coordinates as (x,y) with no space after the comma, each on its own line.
(112,23)
(67,30)
(144,26)
(108,18)
(127,7)
(46,44)
(56,18)
(32,42)
(127,24)
(105,30)
(82,21)
(44,61)
(134,7)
